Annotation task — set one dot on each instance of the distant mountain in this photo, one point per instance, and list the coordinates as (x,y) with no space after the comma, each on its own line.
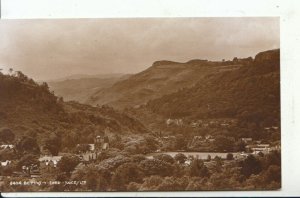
(27,107)
(79,76)
(163,77)
(250,93)
(80,87)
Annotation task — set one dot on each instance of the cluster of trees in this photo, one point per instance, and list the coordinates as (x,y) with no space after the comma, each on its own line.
(165,173)
(37,121)
(126,168)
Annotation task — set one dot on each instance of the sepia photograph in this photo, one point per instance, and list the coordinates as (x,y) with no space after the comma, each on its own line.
(140,104)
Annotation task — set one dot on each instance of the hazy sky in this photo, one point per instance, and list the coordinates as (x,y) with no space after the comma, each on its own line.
(50,49)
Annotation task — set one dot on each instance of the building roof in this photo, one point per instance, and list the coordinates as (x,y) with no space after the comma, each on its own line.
(50,158)
(4,146)
(5,163)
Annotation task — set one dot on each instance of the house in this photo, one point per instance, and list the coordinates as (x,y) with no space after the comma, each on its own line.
(178,122)
(169,137)
(169,121)
(105,146)
(7,146)
(263,145)
(5,163)
(246,140)
(197,140)
(257,148)
(101,143)
(276,148)
(194,124)
(225,125)
(50,160)
(275,128)
(91,146)
(88,157)
(188,162)
(198,137)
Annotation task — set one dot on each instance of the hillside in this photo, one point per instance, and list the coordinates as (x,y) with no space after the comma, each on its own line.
(251,94)
(29,108)
(163,77)
(80,87)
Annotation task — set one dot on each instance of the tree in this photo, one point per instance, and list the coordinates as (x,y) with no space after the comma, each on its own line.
(164,157)
(229,156)
(180,142)
(132,186)
(172,184)
(68,163)
(96,179)
(31,133)
(273,173)
(53,144)
(240,146)
(219,164)
(10,70)
(7,154)
(82,148)
(156,167)
(28,145)
(6,135)
(28,160)
(250,165)
(116,142)
(181,158)
(70,139)
(45,86)
(223,143)
(138,158)
(21,76)
(151,183)
(208,158)
(151,143)
(196,184)
(198,169)
(273,158)
(126,173)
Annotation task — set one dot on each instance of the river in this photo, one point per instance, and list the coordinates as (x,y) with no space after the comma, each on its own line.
(200,155)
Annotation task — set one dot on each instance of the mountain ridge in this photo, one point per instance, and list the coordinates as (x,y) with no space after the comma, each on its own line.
(248,91)
(161,78)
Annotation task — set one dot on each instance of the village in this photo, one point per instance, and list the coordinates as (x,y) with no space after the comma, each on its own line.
(87,153)
(200,146)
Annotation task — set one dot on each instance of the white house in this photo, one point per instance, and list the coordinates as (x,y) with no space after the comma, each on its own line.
(5,163)
(50,159)
(105,146)
(264,148)
(7,146)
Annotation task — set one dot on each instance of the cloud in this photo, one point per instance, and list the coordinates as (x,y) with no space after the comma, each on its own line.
(47,49)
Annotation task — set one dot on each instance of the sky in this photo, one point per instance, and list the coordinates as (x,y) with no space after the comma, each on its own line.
(55,48)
